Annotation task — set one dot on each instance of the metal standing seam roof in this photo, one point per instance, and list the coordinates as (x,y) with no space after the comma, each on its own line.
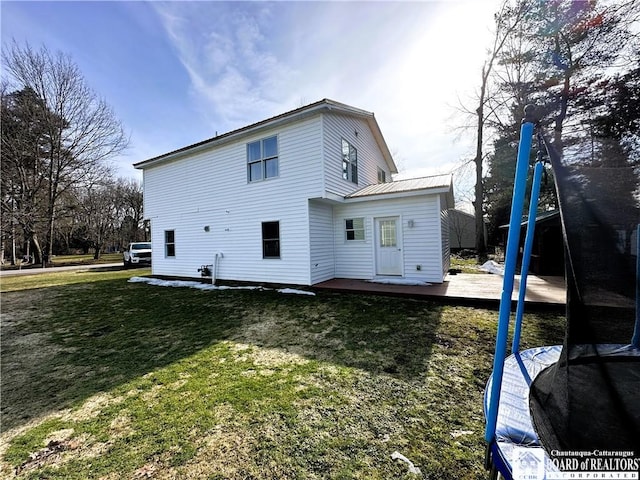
(401,186)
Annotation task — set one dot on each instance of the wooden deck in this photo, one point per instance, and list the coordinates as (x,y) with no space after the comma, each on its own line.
(476,289)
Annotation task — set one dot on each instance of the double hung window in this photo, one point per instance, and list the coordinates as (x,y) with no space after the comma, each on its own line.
(262,159)
(170,243)
(354,228)
(270,239)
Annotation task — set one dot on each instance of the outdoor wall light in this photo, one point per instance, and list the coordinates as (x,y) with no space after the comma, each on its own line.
(410,223)
(206,228)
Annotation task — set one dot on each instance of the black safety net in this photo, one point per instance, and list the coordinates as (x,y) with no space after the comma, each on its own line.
(590,399)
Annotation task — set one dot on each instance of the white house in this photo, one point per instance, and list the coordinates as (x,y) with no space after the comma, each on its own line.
(299,198)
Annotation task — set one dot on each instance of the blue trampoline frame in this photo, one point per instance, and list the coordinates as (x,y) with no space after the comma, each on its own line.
(511,259)
(495,459)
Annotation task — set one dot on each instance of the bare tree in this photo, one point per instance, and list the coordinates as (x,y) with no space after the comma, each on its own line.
(128,198)
(82,132)
(99,213)
(507,20)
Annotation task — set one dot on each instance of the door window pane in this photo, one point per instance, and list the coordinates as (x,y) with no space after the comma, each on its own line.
(388,233)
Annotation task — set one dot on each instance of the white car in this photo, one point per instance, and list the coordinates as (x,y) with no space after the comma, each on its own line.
(138,254)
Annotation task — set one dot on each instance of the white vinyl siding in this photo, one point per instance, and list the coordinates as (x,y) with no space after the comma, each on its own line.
(321,241)
(341,127)
(421,243)
(208,187)
(211,188)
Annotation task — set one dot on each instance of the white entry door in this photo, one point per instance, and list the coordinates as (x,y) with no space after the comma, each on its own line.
(388,246)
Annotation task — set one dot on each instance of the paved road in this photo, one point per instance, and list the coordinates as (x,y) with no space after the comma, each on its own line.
(77,268)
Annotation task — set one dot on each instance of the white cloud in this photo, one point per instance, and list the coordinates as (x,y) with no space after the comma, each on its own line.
(225,48)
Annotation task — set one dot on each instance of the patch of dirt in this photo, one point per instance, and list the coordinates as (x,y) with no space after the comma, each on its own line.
(51,454)
(177,384)
(92,407)
(120,426)
(59,436)
(276,358)
(151,396)
(227,452)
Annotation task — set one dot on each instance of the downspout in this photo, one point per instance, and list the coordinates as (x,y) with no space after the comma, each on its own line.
(214,268)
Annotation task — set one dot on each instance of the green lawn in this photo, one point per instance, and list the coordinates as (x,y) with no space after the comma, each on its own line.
(68,260)
(107,379)
(62,260)
(465,265)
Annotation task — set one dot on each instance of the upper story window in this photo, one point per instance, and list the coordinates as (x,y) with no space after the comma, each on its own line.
(349,162)
(262,159)
(382,176)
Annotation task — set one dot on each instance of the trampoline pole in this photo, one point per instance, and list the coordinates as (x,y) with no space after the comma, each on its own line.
(511,258)
(635,340)
(526,255)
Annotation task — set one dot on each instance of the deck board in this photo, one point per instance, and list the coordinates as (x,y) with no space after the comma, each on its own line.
(461,288)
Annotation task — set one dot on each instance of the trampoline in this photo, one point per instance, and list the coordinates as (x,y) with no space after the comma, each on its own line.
(580,399)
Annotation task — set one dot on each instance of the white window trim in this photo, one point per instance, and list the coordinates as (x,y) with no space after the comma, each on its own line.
(350,164)
(263,160)
(166,244)
(262,239)
(363,229)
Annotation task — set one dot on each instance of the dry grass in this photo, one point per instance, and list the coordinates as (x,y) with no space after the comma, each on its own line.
(109,379)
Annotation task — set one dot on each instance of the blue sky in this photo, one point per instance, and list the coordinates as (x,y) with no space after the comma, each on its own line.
(178,72)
